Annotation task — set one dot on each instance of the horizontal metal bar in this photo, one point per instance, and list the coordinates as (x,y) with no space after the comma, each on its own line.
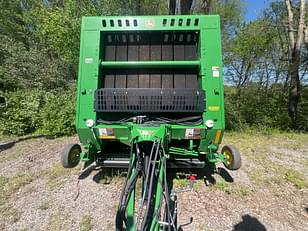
(113,163)
(151,64)
(174,163)
(185,163)
(181,151)
(149,100)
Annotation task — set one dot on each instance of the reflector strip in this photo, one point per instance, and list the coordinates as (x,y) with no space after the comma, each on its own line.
(107,137)
(217,137)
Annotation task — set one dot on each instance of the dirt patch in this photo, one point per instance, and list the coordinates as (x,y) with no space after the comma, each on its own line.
(37,194)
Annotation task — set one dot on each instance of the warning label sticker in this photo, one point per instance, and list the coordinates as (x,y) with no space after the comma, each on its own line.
(192,133)
(88,60)
(106,133)
(215,71)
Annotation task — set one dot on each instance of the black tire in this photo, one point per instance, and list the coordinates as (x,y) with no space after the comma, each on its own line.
(233,157)
(71,156)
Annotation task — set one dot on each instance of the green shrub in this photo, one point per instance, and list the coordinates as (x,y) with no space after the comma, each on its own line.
(256,106)
(21,113)
(37,111)
(233,117)
(58,114)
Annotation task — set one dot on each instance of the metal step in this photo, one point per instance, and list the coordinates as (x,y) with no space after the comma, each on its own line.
(174,163)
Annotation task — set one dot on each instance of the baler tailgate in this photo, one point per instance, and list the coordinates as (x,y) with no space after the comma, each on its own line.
(149,100)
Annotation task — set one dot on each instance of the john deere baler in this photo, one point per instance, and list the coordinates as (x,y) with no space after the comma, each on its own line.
(150,98)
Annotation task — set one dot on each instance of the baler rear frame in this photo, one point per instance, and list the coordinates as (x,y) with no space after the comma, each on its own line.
(150,81)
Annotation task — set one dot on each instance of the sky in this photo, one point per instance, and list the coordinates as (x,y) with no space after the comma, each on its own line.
(255,7)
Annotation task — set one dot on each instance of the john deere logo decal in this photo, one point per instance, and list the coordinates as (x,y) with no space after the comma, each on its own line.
(149,23)
(146,134)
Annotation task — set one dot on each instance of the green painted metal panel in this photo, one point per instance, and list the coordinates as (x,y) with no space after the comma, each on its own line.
(93,67)
(140,23)
(87,84)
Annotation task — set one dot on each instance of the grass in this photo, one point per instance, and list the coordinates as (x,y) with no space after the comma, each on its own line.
(109,225)
(109,175)
(10,156)
(9,213)
(184,184)
(256,175)
(180,183)
(5,138)
(234,189)
(275,180)
(56,175)
(86,223)
(10,185)
(253,138)
(255,147)
(262,169)
(202,227)
(138,188)
(305,163)
(44,205)
(279,175)
(57,222)
(296,178)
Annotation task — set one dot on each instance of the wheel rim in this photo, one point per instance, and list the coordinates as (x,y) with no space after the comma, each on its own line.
(74,156)
(228,157)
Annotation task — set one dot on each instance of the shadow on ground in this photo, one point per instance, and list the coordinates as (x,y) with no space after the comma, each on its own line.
(10,144)
(207,174)
(102,175)
(249,223)
(106,175)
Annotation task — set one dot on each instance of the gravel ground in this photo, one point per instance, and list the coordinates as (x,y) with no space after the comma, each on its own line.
(269,192)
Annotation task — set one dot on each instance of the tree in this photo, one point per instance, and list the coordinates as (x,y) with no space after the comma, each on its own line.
(190,6)
(295,43)
(180,6)
(248,55)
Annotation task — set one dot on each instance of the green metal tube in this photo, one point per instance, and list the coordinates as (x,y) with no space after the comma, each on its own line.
(131,203)
(154,224)
(151,64)
(181,151)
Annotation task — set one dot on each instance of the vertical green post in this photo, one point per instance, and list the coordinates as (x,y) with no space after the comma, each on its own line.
(131,204)
(155,224)
(131,212)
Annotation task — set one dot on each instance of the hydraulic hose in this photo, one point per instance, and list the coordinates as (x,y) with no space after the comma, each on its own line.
(153,179)
(126,191)
(145,189)
(146,215)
